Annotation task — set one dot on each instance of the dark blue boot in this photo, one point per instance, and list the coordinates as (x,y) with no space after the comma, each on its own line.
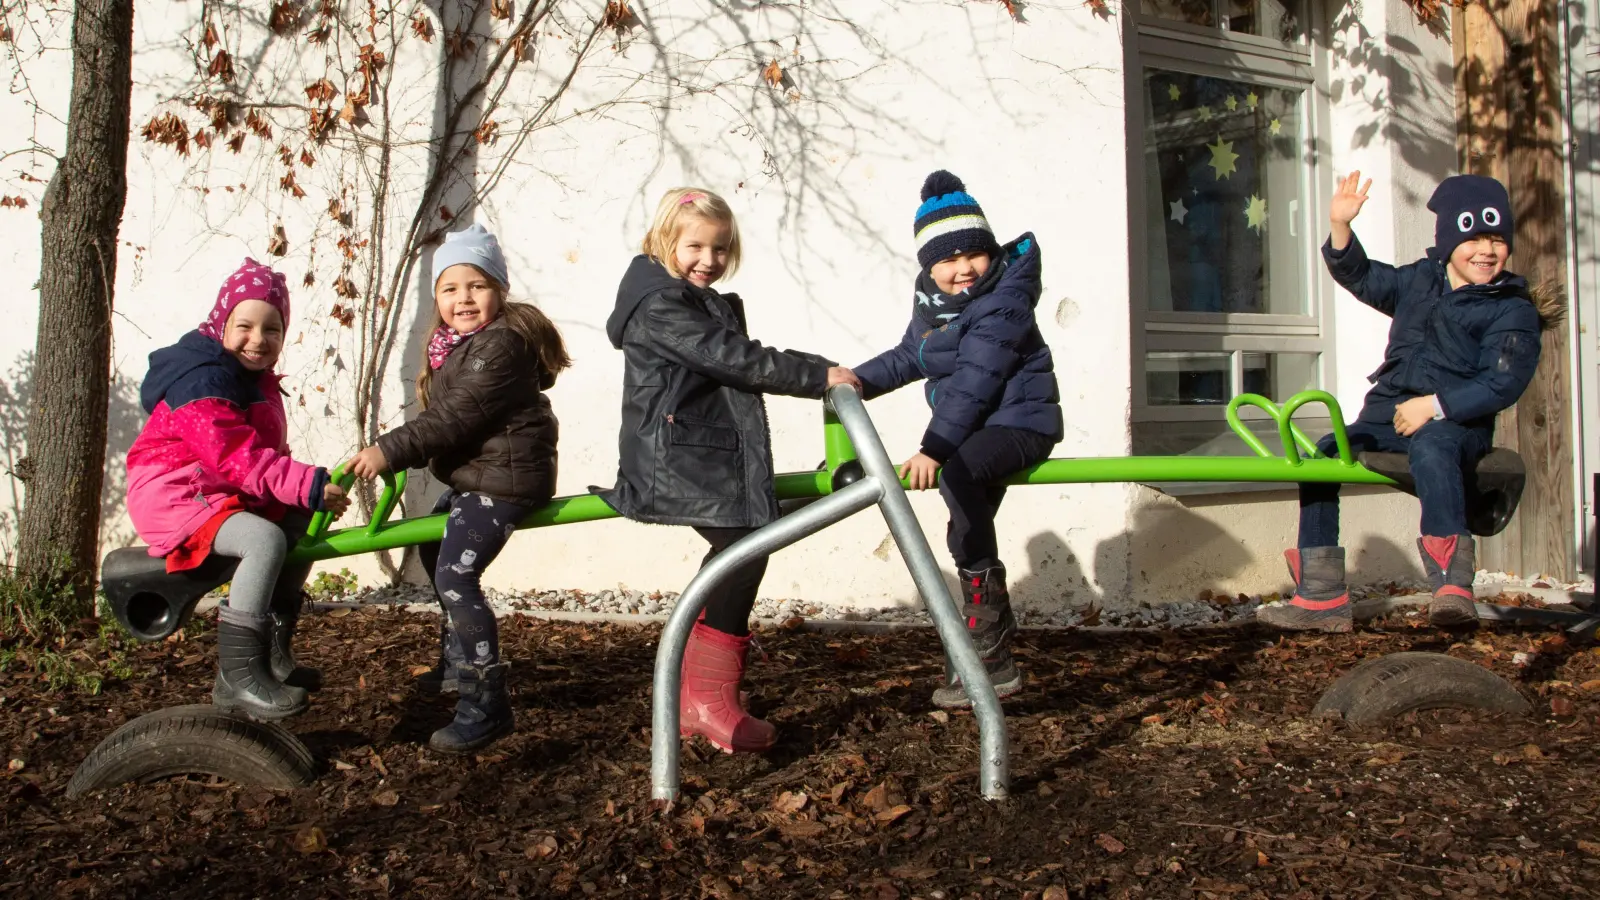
(482,714)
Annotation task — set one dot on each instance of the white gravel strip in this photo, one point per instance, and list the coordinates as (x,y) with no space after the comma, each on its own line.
(643,606)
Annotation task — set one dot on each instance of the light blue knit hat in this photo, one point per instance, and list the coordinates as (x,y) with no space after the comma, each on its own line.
(475,246)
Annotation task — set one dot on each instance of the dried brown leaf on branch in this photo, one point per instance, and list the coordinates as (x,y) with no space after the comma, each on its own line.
(306,159)
(288,183)
(1099,8)
(337,213)
(257,123)
(345,288)
(10,202)
(202,138)
(773,73)
(210,37)
(5,33)
(221,66)
(319,123)
(618,16)
(445,214)
(278,245)
(457,45)
(308,281)
(236,143)
(321,91)
(487,132)
(285,17)
(170,130)
(353,113)
(1013,9)
(500,9)
(318,35)
(422,27)
(217,110)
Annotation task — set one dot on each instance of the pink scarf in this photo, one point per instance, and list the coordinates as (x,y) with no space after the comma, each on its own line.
(445,339)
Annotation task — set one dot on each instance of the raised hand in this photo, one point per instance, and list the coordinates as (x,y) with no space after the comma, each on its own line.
(1348,197)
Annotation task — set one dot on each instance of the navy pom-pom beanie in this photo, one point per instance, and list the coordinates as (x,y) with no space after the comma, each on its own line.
(1467,206)
(949,221)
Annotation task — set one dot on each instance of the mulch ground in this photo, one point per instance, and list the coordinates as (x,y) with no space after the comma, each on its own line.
(1162,765)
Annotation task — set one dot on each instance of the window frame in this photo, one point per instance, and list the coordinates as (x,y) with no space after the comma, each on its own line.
(1213,51)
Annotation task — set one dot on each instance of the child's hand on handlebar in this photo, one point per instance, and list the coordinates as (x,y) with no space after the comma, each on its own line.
(334,500)
(920,472)
(369,463)
(838,375)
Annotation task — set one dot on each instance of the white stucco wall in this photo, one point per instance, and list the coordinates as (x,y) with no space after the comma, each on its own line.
(1031,116)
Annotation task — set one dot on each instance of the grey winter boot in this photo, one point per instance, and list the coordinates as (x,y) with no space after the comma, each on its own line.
(1452,565)
(482,714)
(285,619)
(244,670)
(443,678)
(1321,601)
(992,627)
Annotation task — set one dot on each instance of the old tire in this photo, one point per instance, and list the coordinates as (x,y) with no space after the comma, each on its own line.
(1380,689)
(196,740)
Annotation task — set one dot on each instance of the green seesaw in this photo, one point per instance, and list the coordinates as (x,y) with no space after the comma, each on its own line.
(153,604)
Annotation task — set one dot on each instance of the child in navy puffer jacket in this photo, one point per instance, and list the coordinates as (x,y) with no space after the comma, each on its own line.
(992,387)
(1464,346)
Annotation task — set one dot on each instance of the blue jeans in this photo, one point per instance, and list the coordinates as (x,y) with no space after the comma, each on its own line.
(1440,452)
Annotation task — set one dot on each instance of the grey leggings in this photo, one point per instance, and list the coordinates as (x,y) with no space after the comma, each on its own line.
(261,547)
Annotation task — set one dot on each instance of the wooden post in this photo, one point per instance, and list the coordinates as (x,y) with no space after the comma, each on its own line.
(1509,126)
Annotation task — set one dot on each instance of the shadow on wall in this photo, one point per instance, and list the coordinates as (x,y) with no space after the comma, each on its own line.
(124,419)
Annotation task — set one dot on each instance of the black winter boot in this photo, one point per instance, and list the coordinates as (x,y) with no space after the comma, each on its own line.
(285,619)
(244,670)
(1321,601)
(992,627)
(482,714)
(443,677)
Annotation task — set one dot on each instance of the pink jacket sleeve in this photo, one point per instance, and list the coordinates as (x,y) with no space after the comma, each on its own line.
(223,439)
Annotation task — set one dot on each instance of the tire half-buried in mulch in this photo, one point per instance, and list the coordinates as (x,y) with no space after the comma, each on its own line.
(196,740)
(1380,689)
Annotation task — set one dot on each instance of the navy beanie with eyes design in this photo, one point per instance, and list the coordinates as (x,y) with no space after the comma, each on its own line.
(1467,206)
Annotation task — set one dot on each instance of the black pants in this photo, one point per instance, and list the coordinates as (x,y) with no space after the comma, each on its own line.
(728,608)
(476,532)
(971,484)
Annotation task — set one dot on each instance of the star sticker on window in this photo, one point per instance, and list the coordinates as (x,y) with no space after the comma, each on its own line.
(1204,112)
(1179,211)
(1222,158)
(1252,100)
(1276,127)
(1256,213)
(1172,91)
(1232,103)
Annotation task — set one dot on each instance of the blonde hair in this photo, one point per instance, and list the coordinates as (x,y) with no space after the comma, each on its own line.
(530,323)
(661,243)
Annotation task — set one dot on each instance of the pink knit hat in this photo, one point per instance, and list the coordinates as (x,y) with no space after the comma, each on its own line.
(252,281)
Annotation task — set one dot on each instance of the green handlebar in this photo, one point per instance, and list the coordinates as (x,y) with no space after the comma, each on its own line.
(381,534)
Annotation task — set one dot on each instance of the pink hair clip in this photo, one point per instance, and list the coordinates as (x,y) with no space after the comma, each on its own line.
(691,197)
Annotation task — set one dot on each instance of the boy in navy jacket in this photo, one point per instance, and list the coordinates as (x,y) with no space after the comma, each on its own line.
(1463,347)
(991,384)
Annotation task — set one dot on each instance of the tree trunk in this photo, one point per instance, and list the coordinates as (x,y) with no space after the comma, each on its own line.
(82,212)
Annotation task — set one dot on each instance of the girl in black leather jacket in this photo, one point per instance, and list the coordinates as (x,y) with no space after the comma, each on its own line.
(695,447)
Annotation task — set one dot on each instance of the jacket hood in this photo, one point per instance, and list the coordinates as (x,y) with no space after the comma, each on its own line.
(193,355)
(644,277)
(1023,265)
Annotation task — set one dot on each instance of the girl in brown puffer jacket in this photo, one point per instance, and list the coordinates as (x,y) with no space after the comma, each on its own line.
(487,431)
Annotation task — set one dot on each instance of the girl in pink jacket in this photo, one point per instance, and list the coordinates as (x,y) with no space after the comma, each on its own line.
(211,473)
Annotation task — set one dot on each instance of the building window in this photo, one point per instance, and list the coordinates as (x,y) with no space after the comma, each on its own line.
(1224,218)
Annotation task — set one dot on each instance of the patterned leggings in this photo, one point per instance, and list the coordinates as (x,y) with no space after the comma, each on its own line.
(476,532)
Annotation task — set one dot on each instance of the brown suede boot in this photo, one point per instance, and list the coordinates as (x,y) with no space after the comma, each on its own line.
(1451,563)
(1321,601)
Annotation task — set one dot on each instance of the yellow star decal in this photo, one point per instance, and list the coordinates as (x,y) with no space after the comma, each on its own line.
(1204,112)
(1172,91)
(1232,103)
(1252,100)
(1256,213)
(1276,127)
(1222,158)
